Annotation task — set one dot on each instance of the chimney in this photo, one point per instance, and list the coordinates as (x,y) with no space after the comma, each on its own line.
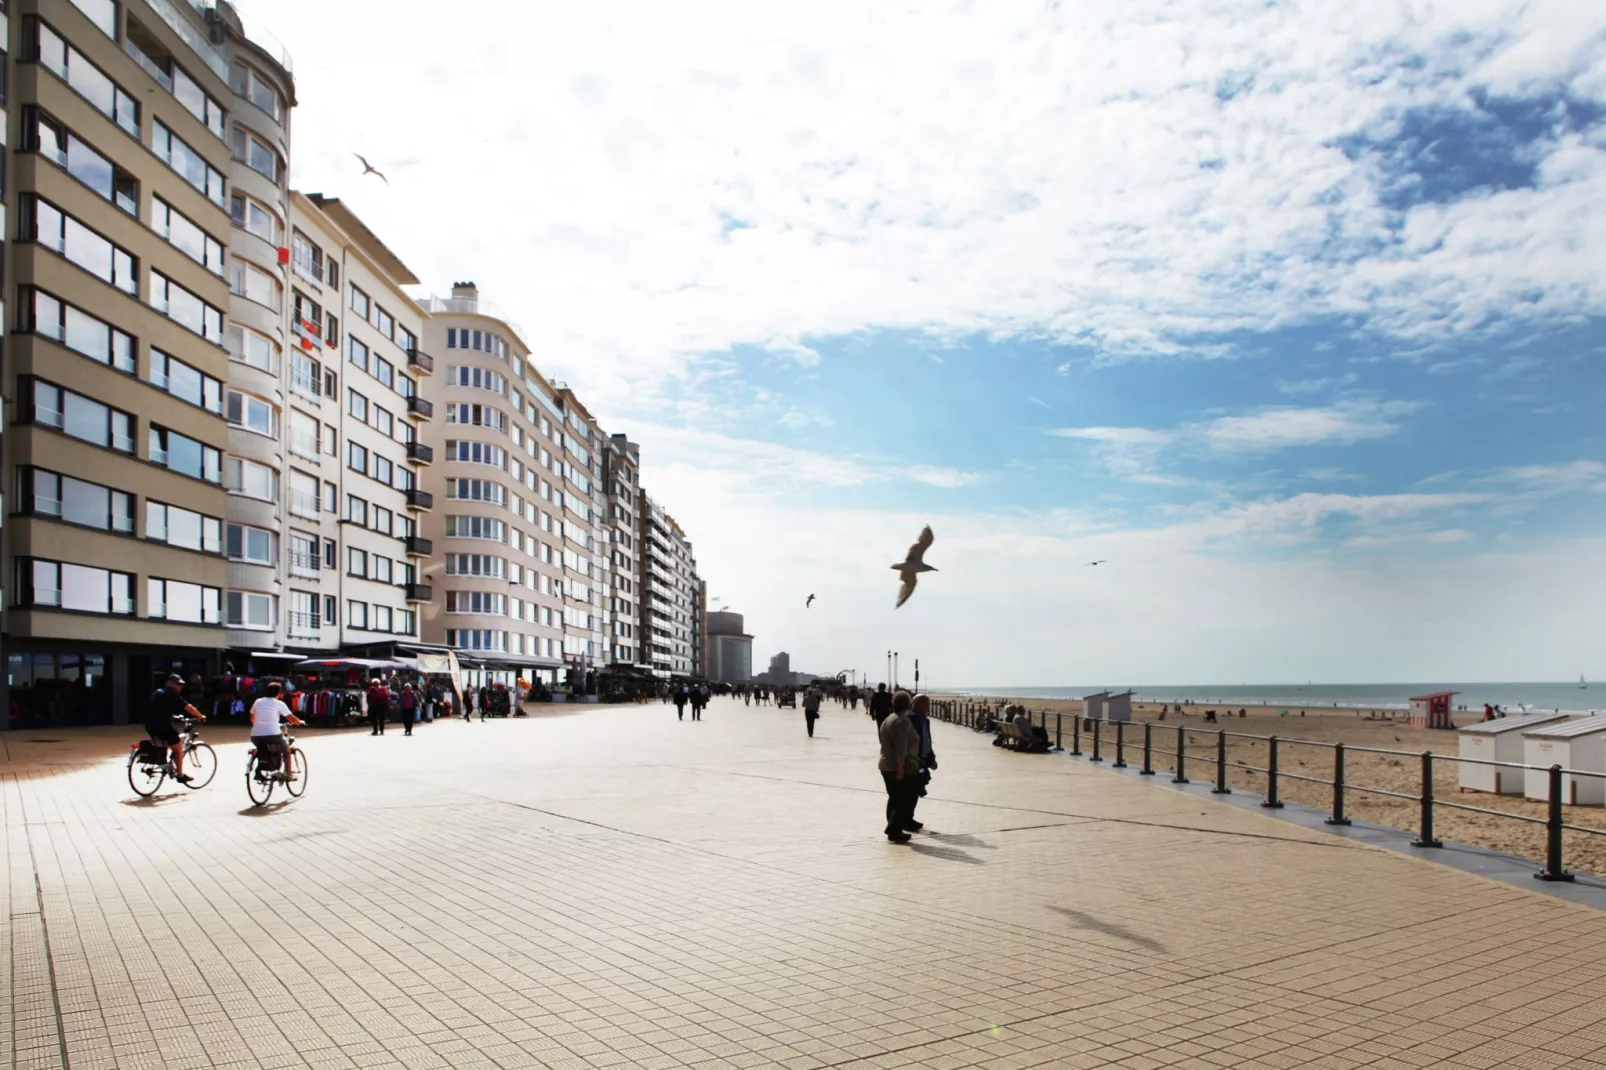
(465,291)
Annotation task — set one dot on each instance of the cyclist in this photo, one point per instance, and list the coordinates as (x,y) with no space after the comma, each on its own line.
(265,735)
(161,721)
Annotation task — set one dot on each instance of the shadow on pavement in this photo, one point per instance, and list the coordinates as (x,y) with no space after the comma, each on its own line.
(266,810)
(947,854)
(962,839)
(1109,928)
(156,800)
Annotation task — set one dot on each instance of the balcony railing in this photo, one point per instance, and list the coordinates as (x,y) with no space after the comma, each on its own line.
(417,451)
(420,499)
(419,407)
(305,624)
(419,592)
(418,546)
(417,358)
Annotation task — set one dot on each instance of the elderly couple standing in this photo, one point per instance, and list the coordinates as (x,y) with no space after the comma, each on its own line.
(906,762)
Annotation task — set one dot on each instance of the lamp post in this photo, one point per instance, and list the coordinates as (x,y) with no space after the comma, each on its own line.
(894,670)
(889,668)
(917,676)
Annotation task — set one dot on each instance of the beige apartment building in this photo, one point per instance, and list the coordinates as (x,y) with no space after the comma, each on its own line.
(622,613)
(671,603)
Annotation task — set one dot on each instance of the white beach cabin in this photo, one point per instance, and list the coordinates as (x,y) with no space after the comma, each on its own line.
(1118,707)
(1093,705)
(1499,740)
(1579,743)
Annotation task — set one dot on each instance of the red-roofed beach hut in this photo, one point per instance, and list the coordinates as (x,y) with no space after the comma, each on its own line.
(1432,711)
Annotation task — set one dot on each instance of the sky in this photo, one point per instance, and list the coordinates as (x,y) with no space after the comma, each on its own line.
(1291,313)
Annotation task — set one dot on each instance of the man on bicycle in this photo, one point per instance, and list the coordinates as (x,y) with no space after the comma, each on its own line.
(266,713)
(161,721)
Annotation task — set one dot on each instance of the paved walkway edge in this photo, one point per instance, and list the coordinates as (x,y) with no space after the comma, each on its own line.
(1586,888)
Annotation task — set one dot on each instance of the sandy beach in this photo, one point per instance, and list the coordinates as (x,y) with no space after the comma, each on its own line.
(1383,729)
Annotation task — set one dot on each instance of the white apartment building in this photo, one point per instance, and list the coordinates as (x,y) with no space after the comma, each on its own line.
(622,611)
(671,594)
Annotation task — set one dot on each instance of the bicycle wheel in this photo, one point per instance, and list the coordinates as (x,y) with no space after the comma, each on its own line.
(144,779)
(200,762)
(298,766)
(259,790)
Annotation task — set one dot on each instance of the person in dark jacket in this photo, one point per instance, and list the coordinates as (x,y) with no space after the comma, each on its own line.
(409,708)
(811,709)
(680,703)
(378,706)
(920,718)
(880,704)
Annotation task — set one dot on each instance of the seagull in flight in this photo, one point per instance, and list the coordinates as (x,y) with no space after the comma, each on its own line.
(809,603)
(914,564)
(1100,561)
(370,169)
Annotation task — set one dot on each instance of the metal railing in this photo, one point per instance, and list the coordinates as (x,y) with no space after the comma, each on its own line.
(1215,754)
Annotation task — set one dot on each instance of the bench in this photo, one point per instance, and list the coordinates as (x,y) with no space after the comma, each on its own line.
(1020,737)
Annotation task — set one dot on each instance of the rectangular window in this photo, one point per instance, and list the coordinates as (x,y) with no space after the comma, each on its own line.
(382,618)
(68,64)
(383,422)
(80,588)
(256,350)
(383,470)
(102,13)
(304,613)
(252,283)
(66,149)
(306,439)
(406,340)
(251,413)
(356,352)
(384,323)
(252,545)
(190,165)
(182,527)
(306,259)
(356,457)
(356,562)
(187,603)
(255,153)
(331,553)
(331,498)
(181,454)
(78,330)
(476,565)
(255,217)
(82,418)
(303,495)
(250,479)
(257,89)
(184,382)
(55,230)
(485,603)
(186,237)
(184,308)
(356,405)
(383,371)
(306,374)
(356,510)
(382,520)
(381,569)
(248,609)
(476,490)
(475,527)
(74,501)
(357,615)
(359,302)
(304,556)
(331,606)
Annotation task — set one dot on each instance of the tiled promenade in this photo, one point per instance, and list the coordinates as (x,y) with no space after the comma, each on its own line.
(614,888)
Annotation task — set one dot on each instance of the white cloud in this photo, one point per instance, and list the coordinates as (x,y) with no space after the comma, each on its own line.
(643,184)
(1273,429)
(1119,436)
(804,356)
(798,419)
(947,478)
(1552,478)
(1317,386)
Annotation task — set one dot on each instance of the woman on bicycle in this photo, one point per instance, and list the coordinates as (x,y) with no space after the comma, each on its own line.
(266,713)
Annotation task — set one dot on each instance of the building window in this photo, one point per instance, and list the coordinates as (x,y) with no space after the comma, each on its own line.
(384,323)
(356,510)
(257,350)
(484,603)
(186,603)
(256,154)
(380,567)
(80,417)
(183,528)
(249,609)
(356,562)
(61,233)
(68,64)
(476,639)
(382,618)
(306,259)
(186,237)
(67,150)
(183,307)
(357,615)
(90,505)
(356,352)
(406,622)
(251,480)
(190,165)
(76,329)
(80,588)
(304,613)
(476,565)
(331,606)
(185,383)
(251,413)
(384,372)
(479,378)
(303,495)
(102,13)
(356,405)
(475,527)
(382,519)
(252,545)
(146,51)
(383,470)
(251,85)
(253,216)
(356,457)
(182,454)
(476,453)
(252,283)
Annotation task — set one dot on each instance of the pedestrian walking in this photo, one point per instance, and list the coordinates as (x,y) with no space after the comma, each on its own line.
(378,706)
(900,744)
(920,718)
(811,709)
(681,695)
(880,704)
(409,708)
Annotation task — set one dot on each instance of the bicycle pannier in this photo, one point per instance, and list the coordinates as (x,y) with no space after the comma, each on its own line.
(267,759)
(152,752)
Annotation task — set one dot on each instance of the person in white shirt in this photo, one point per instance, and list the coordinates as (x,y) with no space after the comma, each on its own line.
(266,712)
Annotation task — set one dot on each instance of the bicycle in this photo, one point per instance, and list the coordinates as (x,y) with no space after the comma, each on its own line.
(262,780)
(150,762)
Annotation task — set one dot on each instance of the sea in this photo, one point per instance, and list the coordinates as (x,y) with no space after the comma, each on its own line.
(1566,697)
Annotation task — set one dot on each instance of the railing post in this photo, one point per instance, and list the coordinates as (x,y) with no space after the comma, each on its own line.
(1076,736)
(1221,765)
(1553,870)
(1425,837)
(1096,733)
(1059,731)
(1272,802)
(1182,757)
(1337,817)
(1148,749)
(1120,745)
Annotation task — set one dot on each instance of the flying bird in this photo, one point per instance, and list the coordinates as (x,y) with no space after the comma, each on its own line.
(370,169)
(1100,561)
(809,603)
(913,565)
